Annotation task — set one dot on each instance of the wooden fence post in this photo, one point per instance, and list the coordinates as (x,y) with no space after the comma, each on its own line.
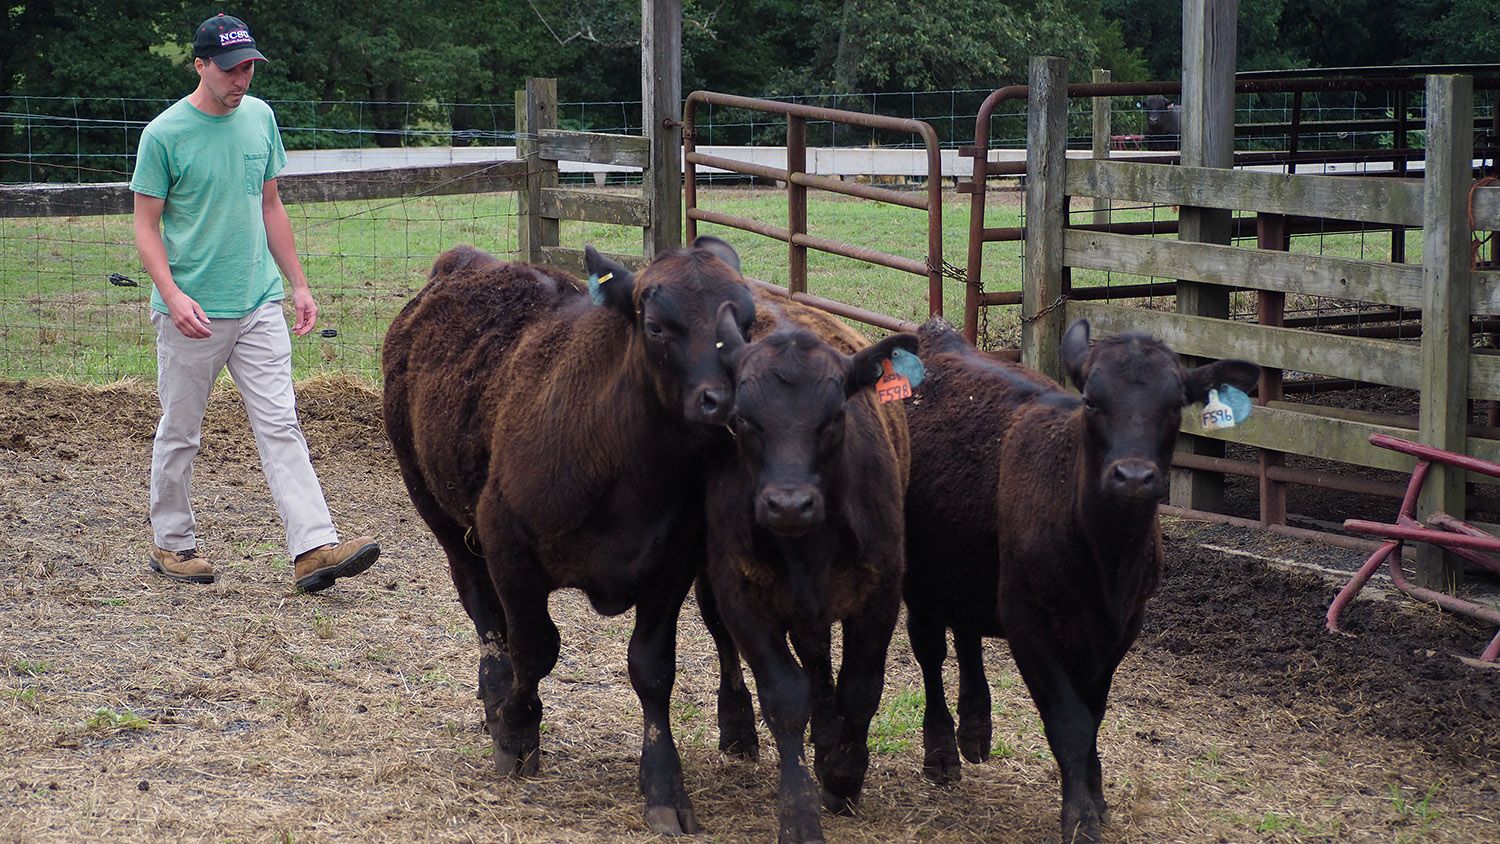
(536,109)
(661,120)
(1208,55)
(1101,115)
(1042,313)
(1445,310)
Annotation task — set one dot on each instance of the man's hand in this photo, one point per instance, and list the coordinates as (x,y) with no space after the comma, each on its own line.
(190,320)
(307,311)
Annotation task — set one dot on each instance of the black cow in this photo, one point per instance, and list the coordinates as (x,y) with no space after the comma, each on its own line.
(551,443)
(805,532)
(1163,123)
(1032,515)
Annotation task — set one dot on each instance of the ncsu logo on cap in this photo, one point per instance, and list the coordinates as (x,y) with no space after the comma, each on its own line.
(235,36)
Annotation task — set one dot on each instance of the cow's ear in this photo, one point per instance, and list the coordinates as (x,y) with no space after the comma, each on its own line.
(610,284)
(730,338)
(1236,373)
(868,364)
(721,250)
(1075,352)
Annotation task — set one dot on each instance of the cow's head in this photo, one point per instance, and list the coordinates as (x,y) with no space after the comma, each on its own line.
(1134,389)
(790,392)
(673,306)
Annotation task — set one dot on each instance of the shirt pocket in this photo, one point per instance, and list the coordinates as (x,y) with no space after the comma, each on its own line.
(255,171)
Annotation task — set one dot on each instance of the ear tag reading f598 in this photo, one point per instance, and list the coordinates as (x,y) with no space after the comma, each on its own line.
(596,287)
(892,386)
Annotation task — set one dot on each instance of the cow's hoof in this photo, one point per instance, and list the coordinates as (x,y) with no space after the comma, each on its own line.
(1080,827)
(942,768)
(740,747)
(510,763)
(670,820)
(974,749)
(839,804)
(974,739)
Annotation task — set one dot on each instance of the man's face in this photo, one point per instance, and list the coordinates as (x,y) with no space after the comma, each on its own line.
(226,87)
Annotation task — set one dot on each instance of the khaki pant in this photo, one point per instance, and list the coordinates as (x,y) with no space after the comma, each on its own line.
(258,351)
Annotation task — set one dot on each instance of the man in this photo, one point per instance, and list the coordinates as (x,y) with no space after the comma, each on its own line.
(212,232)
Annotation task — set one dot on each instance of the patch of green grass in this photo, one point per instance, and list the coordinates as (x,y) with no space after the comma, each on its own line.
(1277,822)
(22,695)
(897,722)
(322,625)
(31,667)
(1419,814)
(105,720)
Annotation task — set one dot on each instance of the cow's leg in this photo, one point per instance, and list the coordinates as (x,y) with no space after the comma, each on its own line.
(737,736)
(784,703)
(975,730)
(476,592)
(1096,696)
(523,587)
(929,644)
(653,668)
(814,648)
(1070,729)
(867,639)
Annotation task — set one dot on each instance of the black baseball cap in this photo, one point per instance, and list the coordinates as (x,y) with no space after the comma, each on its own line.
(226,40)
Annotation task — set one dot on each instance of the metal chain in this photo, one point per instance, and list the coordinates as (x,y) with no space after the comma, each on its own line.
(1061,298)
(948,270)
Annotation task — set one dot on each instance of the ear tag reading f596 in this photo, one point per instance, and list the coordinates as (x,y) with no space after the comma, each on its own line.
(1226,407)
(596,287)
(1216,414)
(892,386)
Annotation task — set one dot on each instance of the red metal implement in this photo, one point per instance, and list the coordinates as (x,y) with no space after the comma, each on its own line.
(1440,529)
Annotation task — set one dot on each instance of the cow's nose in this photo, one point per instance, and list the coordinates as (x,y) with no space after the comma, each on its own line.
(791,510)
(713,403)
(1135,478)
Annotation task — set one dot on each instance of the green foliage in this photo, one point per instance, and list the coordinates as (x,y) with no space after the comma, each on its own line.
(105,721)
(897,723)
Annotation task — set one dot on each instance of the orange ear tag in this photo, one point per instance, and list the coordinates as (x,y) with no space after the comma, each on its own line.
(892,386)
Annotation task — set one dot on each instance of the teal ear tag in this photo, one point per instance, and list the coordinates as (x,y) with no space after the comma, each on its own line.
(1239,403)
(909,365)
(596,287)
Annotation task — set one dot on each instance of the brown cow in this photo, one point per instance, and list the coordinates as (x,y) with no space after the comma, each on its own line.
(1032,515)
(805,532)
(550,443)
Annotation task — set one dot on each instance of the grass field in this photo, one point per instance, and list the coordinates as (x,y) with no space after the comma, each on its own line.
(61,316)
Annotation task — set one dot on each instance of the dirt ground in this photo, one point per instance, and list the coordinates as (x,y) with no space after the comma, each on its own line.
(134,709)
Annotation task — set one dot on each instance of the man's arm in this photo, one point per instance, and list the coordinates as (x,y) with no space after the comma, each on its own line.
(284,250)
(185,313)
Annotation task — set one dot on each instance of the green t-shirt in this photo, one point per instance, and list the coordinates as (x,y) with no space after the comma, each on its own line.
(211,170)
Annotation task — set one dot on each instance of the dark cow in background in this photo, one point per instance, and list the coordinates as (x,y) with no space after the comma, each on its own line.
(804,528)
(1163,123)
(552,443)
(1064,566)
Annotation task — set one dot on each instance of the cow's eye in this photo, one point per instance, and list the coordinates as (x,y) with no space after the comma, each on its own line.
(654,329)
(1089,404)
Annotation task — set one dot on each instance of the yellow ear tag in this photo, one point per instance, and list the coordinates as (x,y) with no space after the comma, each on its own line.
(606,277)
(892,385)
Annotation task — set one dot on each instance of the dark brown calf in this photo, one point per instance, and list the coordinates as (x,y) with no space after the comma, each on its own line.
(1063,567)
(805,532)
(550,442)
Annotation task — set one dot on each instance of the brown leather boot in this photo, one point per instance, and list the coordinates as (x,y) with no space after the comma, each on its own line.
(317,569)
(184,566)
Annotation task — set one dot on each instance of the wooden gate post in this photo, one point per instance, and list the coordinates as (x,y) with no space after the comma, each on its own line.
(536,109)
(1445,307)
(1208,55)
(1102,130)
(661,120)
(1042,313)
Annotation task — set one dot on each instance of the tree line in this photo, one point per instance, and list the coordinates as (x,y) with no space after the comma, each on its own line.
(394,56)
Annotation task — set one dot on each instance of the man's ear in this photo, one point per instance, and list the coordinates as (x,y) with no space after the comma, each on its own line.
(867,365)
(721,250)
(1075,352)
(1236,373)
(609,283)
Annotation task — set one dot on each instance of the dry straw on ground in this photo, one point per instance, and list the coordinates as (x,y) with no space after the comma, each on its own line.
(132,709)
